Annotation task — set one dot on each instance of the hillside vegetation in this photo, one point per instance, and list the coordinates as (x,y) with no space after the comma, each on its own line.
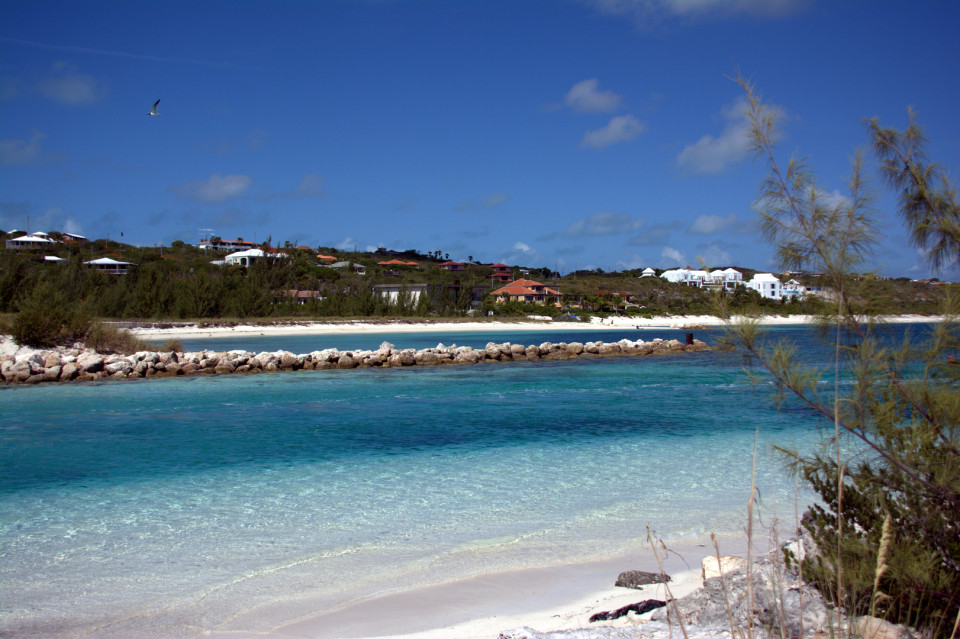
(59,300)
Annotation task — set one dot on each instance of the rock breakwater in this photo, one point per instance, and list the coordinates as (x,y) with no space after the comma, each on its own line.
(79,364)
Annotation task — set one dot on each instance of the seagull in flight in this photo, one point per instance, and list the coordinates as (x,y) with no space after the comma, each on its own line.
(153,111)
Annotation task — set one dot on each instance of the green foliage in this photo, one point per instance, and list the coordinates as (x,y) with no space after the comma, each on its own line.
(888,527)
(42,318)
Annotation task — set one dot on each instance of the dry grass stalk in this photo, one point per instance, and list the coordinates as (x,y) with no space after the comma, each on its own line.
(750,502)
(886,538)
(666,587)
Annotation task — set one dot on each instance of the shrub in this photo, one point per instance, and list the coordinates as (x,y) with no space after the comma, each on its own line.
(44,320)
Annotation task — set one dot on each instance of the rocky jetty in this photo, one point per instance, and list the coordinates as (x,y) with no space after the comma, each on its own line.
(29,366)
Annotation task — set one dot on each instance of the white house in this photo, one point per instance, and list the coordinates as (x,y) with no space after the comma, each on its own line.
(36,241)
(392,291)
(359,269)
(728,278)
(248,257)
(648,272)
(793,288)
(109,265)
(767,285)
(686,276)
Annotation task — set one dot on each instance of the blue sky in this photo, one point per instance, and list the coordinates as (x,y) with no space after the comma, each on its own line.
(568,134)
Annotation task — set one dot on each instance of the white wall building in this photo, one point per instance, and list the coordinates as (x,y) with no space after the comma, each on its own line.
(767,285)
(728,278)
(248,257)
(648,272)
(392,291)
(110,265)
(36,241)
(686,276)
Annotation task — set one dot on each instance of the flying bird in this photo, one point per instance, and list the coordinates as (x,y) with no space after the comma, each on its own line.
(153,111)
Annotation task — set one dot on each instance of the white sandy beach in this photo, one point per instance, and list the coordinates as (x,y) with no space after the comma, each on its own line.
(678,322)
(544,599)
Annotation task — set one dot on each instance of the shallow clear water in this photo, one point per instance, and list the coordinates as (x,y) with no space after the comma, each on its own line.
(188,500)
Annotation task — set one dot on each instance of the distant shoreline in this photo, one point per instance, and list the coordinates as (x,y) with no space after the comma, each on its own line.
(165,330)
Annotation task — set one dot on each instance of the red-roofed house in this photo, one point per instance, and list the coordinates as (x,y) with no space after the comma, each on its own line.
(452,266)
(326,258)
(396,262)
(526,291)
(501,273)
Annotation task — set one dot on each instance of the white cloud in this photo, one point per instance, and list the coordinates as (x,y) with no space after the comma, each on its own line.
(832,199)
(584,96)
(672,255)
(346,244)
(647,13)
(217,188)
(710,224)
(14,214)
(604,224)
(712,154)
(488,202)
(311,185)
(18,151)
(633,262)
(713,256)
(621,128)
(520,253)
(655,234)
(67,87)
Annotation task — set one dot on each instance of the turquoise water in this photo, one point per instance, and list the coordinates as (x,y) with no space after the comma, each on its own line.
(179,505)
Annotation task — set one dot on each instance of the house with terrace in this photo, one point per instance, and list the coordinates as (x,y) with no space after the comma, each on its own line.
(767,284)
(248,257)
(501,273)
(392,292)
(34,241)
(526,291)
(218,244)
(727,278)
(110,266)
(687,276)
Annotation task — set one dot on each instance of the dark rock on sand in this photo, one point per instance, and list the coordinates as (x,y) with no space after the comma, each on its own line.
(639,578)
(639,608)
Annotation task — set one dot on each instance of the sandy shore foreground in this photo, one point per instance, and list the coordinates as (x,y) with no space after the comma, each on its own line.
(678,322)
(544,599)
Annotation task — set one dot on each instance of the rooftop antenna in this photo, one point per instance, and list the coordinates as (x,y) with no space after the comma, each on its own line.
(206,233)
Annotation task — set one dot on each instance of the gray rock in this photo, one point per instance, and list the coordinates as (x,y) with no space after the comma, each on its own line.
(69,371)
(779,599)
(346,361)
(118,366)
(427,358)
(640,578)
(608,350)
(90,362)
(574,348)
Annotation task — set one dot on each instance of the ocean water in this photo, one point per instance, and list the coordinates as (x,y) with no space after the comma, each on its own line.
(178,506)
